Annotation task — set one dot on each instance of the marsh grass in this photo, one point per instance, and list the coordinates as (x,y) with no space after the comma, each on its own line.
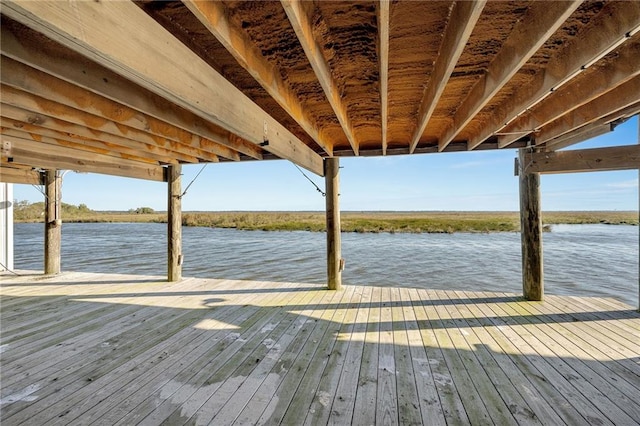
(363,222)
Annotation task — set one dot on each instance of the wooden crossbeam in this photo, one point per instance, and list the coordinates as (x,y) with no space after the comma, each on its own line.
(213,15)
(604,34)
(573,95)
(383,60)
(299,18)
(29,152)
(87,149)
(25,176)
(57,97)
(44,125)
(463,19)
(625,95)
(585,160)
(159,117)
(123,38)
(593,129)
(541,21)
(582,134)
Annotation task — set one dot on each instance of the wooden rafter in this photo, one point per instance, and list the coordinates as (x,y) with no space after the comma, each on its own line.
(213,15)
(602,36)
(160,117)
(28,176)
(98,142)
(584,160)
(624,96)
(86,148)
(383,48)
(463,19)
(36,121)
(76,103)
(582,134)
(541,21)
(299,18)
(25,150)
(593,129)
(165,66)
(573,95)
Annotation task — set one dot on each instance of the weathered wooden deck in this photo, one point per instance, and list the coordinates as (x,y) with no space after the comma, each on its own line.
(115,349)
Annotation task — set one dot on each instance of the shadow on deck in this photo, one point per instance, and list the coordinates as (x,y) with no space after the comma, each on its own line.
(118,349)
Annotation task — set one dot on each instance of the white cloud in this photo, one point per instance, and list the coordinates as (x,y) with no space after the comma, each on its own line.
(633,183)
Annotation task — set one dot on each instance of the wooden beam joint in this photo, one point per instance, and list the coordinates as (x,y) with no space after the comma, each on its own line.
(625,157)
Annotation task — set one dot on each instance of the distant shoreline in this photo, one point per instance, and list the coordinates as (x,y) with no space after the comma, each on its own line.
(363,222)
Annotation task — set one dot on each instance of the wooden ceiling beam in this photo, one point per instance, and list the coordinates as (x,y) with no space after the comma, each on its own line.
(593,129)
(29,152)
(214,16)
(158,116)
(298,15)
(32,121)
(625,95)
(539,23)
(584,160)
(383,59)
(604,33)
(462,20)
(87,149)
(122,37)
(582,134)
(25,176)
(577,93)
(99,142)
(76,101)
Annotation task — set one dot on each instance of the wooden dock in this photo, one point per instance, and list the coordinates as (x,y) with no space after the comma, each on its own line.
(83,348)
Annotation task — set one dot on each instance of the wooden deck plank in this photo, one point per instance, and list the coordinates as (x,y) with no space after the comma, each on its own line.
(457,372)
(387,404)
(285,333)
(323,373)
(207,375)
(450,399)
(478,373)
(553,370)
(492,382)
(121,349)
(61,334)
(406,391)
(272,366)
(597,376)
(364,411)
(125,359)
(618,323)
(342,409)
(324,337)
(586,342)
(242,342)
(532,405)
(429,401)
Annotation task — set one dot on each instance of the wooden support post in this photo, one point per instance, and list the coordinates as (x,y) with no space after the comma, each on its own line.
(334,251)
(174,222)
(531,231)
(52,222)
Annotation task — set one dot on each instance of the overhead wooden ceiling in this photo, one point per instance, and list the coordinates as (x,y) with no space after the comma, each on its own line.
(127,88)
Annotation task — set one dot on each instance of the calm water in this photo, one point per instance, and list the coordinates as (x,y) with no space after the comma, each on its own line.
(588,260)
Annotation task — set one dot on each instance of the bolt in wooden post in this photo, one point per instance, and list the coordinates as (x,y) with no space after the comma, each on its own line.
(52,222)
(531,232)
(174,222)
(334,251)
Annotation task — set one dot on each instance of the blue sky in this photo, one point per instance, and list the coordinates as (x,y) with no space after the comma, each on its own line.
(480,180)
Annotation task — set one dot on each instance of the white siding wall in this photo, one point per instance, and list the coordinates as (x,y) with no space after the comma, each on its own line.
(6,226)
